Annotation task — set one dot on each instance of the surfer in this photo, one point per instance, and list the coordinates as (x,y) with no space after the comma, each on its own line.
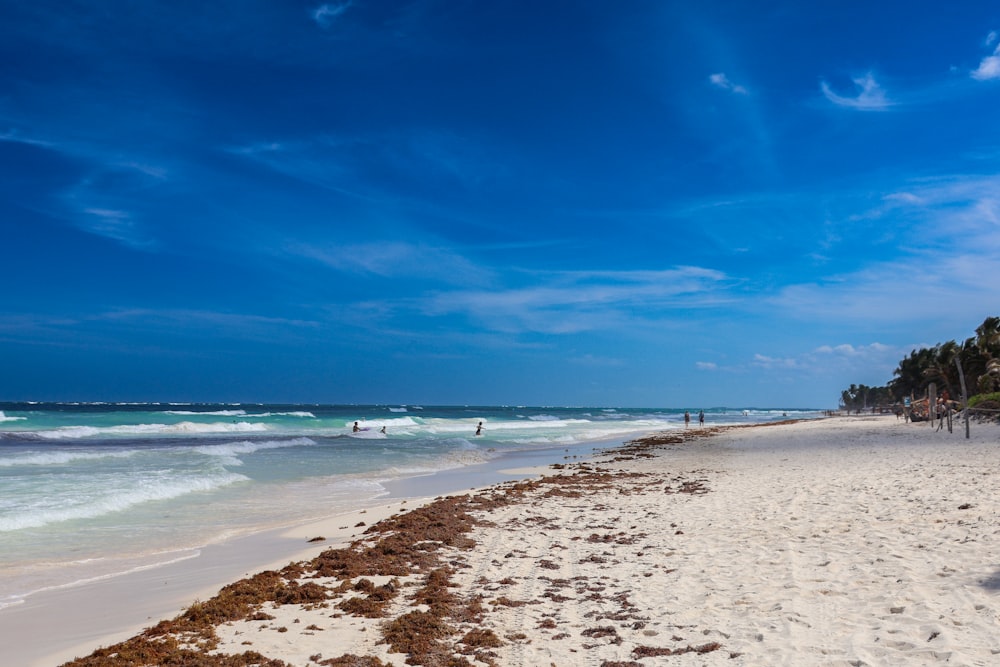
(382,431)
(356,427)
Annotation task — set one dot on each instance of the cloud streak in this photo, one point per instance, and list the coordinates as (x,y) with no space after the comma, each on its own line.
(870,95)
(326,14)
(949,268)
(573,302)
(720,80)
(397,259)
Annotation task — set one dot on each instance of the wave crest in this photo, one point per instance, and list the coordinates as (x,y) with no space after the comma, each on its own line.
(181,428)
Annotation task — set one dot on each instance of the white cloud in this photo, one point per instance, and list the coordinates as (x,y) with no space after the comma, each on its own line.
(720,80)
(848,350)
(326,14)
(870,96)
(989,67)
(904,198)
(706,365)
(774,362)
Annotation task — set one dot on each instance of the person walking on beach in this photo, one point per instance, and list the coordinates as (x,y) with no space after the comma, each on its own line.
(701,417)
(687,418)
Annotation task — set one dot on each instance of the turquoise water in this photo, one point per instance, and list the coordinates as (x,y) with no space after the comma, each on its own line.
(94,490)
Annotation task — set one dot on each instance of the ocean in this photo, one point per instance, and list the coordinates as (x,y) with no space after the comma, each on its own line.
(94,490)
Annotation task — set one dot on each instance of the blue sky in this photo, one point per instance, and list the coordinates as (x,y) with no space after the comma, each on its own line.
(641,203)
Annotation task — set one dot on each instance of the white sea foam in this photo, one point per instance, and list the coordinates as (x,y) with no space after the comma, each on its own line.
(19,598)
(395,422)
(296,413)
(143,491)
(231,450)
(62,457)
(67,432)
(214,413)
(5,418)
(181,428)
(397,409)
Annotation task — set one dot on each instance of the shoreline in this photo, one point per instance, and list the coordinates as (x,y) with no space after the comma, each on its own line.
(839,541)
(170,588)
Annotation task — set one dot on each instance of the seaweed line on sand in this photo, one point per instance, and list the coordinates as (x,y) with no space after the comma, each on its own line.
(418,551)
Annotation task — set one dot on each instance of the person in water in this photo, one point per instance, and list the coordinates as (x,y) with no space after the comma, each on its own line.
(356,427)
(383,429)
(479,429)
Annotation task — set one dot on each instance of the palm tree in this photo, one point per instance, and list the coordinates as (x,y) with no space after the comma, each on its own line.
(909,375)
(988,336)
(988,344)
(942,366)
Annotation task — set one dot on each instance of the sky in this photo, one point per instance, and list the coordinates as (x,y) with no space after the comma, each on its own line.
(641,203)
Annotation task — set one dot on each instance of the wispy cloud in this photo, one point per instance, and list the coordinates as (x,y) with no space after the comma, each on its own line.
(397,259)
(870,95)
(103,329)
(774,362)
(989,67)
(848,350)
(115,224)
(951,245)
(720,80)
(326,14)
(195,322)
(113,202)
(868,363)
(16,137)
(592,360)
(572,302)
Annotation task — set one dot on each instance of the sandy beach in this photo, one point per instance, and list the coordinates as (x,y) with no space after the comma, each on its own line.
(843,541)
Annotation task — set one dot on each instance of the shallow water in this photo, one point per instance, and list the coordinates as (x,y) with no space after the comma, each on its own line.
(94,490)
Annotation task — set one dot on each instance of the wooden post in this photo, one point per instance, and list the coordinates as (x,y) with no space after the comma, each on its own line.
(965,395)
(931,403)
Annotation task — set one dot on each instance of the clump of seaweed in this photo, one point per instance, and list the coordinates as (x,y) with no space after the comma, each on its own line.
(374,603)
(653,651)
(352,661)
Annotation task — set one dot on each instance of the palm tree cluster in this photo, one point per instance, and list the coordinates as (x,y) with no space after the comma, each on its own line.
(979,356)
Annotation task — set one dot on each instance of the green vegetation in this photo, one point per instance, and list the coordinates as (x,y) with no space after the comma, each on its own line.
(980,359)
(981,399)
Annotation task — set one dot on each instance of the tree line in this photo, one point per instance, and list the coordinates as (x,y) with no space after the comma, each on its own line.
(979,356)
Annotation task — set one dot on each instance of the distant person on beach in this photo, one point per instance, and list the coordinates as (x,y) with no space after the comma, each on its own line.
(356,427)
(687,418)
(701,417)
(479,429)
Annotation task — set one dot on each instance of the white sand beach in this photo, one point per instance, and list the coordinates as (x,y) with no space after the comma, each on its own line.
(843,541)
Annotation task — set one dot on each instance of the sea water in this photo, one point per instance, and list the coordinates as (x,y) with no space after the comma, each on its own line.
(94,490)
